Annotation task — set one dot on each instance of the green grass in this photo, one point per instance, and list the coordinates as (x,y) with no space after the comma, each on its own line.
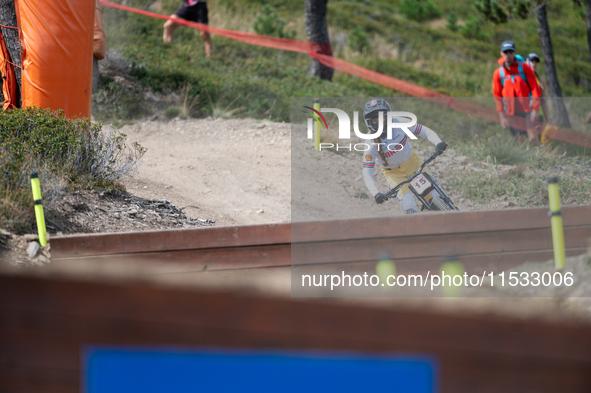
(263,80)
(259,83)
(524,185)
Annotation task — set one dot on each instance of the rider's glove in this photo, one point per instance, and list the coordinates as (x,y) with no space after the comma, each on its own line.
(381,198)
(441,147)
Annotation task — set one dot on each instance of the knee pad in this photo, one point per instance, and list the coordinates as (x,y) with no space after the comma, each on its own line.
(408,203)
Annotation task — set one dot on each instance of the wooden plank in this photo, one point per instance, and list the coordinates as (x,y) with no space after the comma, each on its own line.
(473,264)
(437,223)
(443,245)
(203,259)
(183,239)
(128,305)
(509,247)
(401,226)
(477,353)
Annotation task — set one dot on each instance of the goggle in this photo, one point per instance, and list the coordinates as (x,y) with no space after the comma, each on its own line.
(374,116)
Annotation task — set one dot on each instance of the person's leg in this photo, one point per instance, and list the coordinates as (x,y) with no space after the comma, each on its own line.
(203,18)
(408,203)
(520,135)
(412,165)
(532,136)
(207,42)
(169,28)
(405,197)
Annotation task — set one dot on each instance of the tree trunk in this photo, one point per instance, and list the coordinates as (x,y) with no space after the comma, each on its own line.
(8,18)
(554,92)
(317,32)
(588,19)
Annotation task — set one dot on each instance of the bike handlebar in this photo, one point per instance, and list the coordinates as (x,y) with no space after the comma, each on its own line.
(393,192)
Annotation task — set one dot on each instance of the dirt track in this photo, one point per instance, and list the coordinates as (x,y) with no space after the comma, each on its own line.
(236,172)
(239,172)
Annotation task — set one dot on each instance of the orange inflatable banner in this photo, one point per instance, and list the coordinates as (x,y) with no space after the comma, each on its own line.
(57,40)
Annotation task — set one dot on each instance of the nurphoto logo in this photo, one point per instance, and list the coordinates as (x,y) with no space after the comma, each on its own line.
(393,120)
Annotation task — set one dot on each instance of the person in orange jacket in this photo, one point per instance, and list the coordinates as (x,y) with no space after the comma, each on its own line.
(516,92)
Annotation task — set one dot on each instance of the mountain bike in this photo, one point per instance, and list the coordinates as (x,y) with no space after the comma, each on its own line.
(421,184)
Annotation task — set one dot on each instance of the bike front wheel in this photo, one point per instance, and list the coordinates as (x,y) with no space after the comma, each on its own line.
(439,204)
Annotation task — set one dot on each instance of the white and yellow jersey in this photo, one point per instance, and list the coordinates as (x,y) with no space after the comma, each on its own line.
(396,151)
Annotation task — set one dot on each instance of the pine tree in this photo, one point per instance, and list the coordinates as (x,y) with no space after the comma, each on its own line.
(317,32)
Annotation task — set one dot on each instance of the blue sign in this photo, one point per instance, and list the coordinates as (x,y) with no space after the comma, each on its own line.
(177,371)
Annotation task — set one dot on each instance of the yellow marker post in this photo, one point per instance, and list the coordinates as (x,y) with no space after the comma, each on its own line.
(556,222)
(317,126)
(39,209)
(452,268)
(385,268)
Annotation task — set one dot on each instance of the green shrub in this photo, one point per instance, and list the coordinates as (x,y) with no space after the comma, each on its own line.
(358,40)
(473,28)
(172,111)
(63,151)
(268,23)
(419,10)
(452,21)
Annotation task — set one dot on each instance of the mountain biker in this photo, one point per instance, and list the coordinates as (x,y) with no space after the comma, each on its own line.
(396,156)
(513,82)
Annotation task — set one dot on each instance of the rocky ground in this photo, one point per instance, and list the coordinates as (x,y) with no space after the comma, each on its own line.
(92,212)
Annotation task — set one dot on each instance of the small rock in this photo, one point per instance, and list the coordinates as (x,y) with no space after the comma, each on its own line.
(30,237)
(117,215)
(43,259)
(33,249)
(260,211)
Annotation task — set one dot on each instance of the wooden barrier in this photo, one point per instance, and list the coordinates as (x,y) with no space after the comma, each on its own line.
(45,323)
(495,239)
